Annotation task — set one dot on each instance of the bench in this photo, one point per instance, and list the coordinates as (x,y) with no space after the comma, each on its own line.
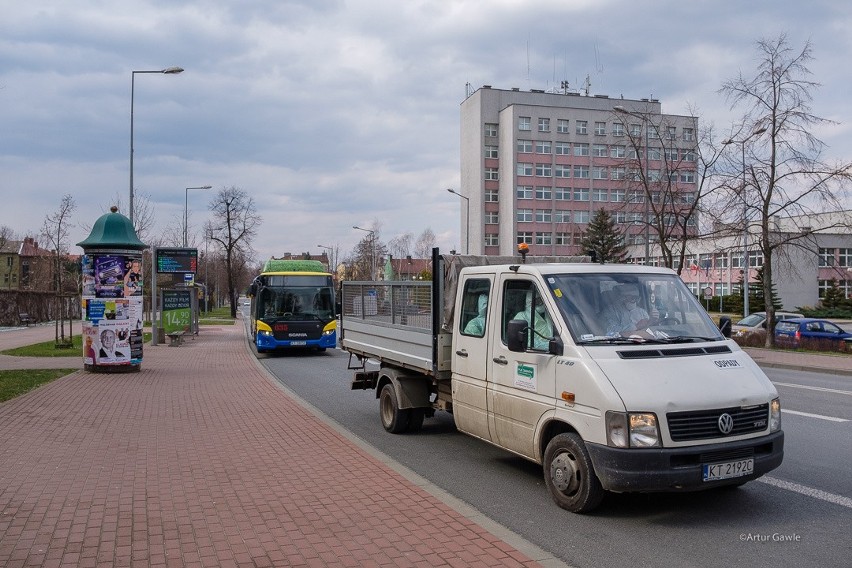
(175,338)
(25,319)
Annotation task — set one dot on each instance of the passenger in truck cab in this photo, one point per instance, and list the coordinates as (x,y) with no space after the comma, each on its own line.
(624,314)
(476,326)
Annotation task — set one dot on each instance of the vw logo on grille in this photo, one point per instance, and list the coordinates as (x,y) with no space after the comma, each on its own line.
(726,423)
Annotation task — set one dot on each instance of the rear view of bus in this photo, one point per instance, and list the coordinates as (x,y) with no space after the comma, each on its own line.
(292,306)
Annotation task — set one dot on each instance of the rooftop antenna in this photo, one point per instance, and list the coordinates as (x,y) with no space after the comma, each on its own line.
(587,85)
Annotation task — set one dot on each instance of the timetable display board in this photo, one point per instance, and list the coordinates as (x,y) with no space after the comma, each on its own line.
(177,260)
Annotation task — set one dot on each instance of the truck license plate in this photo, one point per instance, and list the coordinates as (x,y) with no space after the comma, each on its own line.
(727,470)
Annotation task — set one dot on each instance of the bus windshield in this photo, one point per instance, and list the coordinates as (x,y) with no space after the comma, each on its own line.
(296,303)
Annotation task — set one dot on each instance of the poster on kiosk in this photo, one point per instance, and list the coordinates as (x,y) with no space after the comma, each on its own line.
(112,309)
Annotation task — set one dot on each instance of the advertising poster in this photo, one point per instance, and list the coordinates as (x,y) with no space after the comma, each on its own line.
(176,310)
(113,309)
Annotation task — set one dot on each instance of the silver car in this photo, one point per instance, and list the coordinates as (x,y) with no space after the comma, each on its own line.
(756,321)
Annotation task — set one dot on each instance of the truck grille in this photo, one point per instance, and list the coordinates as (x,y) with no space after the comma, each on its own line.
(705,424)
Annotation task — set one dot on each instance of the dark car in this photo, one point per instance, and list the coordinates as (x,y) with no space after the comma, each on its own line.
(812,332)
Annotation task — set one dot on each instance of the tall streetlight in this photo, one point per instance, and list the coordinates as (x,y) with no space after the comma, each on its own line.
(166,71)
(746,275)
(467,222)
(372,250)
(330,258)
(644,118)
(186,209)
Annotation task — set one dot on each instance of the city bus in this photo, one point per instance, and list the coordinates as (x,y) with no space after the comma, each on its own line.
(292,306)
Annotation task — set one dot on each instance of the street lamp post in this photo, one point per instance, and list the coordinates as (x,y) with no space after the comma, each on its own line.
(331,266)
(186,209)
(166,71)
(644,118)
(746,275)
(372,250)
(467,221)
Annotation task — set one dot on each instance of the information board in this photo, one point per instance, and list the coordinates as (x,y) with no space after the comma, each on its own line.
(176,310)
(177,260)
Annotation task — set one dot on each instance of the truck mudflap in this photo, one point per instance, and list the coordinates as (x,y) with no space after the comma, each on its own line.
(684,469)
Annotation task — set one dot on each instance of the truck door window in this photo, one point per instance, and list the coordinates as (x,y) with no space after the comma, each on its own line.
(474,307)
(521,300)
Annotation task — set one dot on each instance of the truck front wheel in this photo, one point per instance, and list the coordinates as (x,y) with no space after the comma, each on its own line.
(394,419)
(569,474)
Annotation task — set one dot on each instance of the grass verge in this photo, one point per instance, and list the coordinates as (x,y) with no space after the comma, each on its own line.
(16,383)
(49,349)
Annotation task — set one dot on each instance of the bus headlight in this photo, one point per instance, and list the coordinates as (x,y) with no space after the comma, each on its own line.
(632,430)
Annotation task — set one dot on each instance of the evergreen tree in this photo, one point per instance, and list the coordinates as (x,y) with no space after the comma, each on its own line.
(833,297)
(604,240)
(756,292)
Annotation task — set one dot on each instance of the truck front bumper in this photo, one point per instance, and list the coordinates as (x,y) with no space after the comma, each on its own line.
(681,469)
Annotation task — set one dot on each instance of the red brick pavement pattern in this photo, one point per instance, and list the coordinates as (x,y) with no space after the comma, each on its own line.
(199,460)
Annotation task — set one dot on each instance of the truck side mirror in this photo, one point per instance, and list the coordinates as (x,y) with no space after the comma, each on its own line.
(517,332)
(725,326)
(556,347)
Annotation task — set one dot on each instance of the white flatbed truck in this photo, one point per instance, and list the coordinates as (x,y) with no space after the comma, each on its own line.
(549,372)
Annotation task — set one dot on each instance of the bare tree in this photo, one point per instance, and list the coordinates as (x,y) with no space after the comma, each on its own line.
(6,236)
(786,177)
(366,258)
(400,245)
(233,228)
(425,243)
(55,229)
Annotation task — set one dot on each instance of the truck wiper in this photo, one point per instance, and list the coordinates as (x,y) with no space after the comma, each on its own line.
(687,339)
(612,339)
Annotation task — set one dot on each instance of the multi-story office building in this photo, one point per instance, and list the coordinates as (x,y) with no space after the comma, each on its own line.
(536,166)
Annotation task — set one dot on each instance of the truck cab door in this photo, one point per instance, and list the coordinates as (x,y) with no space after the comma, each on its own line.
(470,349)
(521,385)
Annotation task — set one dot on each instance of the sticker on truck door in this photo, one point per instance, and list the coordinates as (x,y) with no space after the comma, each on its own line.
(525,376)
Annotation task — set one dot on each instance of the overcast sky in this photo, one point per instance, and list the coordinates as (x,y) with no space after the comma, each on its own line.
(334,113)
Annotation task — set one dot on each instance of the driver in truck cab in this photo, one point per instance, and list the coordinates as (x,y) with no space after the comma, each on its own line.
(624,314)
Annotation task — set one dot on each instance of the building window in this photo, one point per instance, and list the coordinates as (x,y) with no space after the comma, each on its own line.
(524,123)
(543,170)
(491,218)
(581,194)
(562,126)
(543,216)
(544,125)
(671,154)
(491,196)
(525,169)
(655,154)
(563,238)
(826,257)
(720,260)
(617,129)
(600,128)
(755,258)
(524,192)
(635,130)
(600,151)
(600,194)
(562,194)
(636,196)
(544,193)
(542,148)
(617,151)
(525,237)
(599,172)
(562,171)
(525,146)
(492,174)
(844,257)
(581,217)
(562,149)
(491,151)
(544,238)
(581,172)
(582,127)
(687,176)
(617,173)
(688,134)
(490,129)
(687,197)
(688,155)
(620,217)
(617,195)
(653,132)
(525,215)
(581,149)
(561,216)
(491,240)
(672,132)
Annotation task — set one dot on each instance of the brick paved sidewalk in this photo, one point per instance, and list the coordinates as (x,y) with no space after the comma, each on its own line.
(201,460)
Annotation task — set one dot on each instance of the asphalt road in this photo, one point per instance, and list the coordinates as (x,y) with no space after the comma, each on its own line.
(797,516)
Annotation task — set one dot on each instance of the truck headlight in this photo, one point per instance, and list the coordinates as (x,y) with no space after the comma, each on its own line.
(775,415)
(632,430)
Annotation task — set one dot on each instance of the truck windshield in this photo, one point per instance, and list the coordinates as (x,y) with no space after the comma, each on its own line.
(603,308)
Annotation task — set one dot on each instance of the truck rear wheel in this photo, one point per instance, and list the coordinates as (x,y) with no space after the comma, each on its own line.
(569,474)
(394,419)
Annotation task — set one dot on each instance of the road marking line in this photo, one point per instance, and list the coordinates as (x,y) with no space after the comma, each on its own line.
(809,491)
(821,389)
(809,415)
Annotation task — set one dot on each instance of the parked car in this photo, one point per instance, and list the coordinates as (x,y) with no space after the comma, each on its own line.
(817,332)
(756,321)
